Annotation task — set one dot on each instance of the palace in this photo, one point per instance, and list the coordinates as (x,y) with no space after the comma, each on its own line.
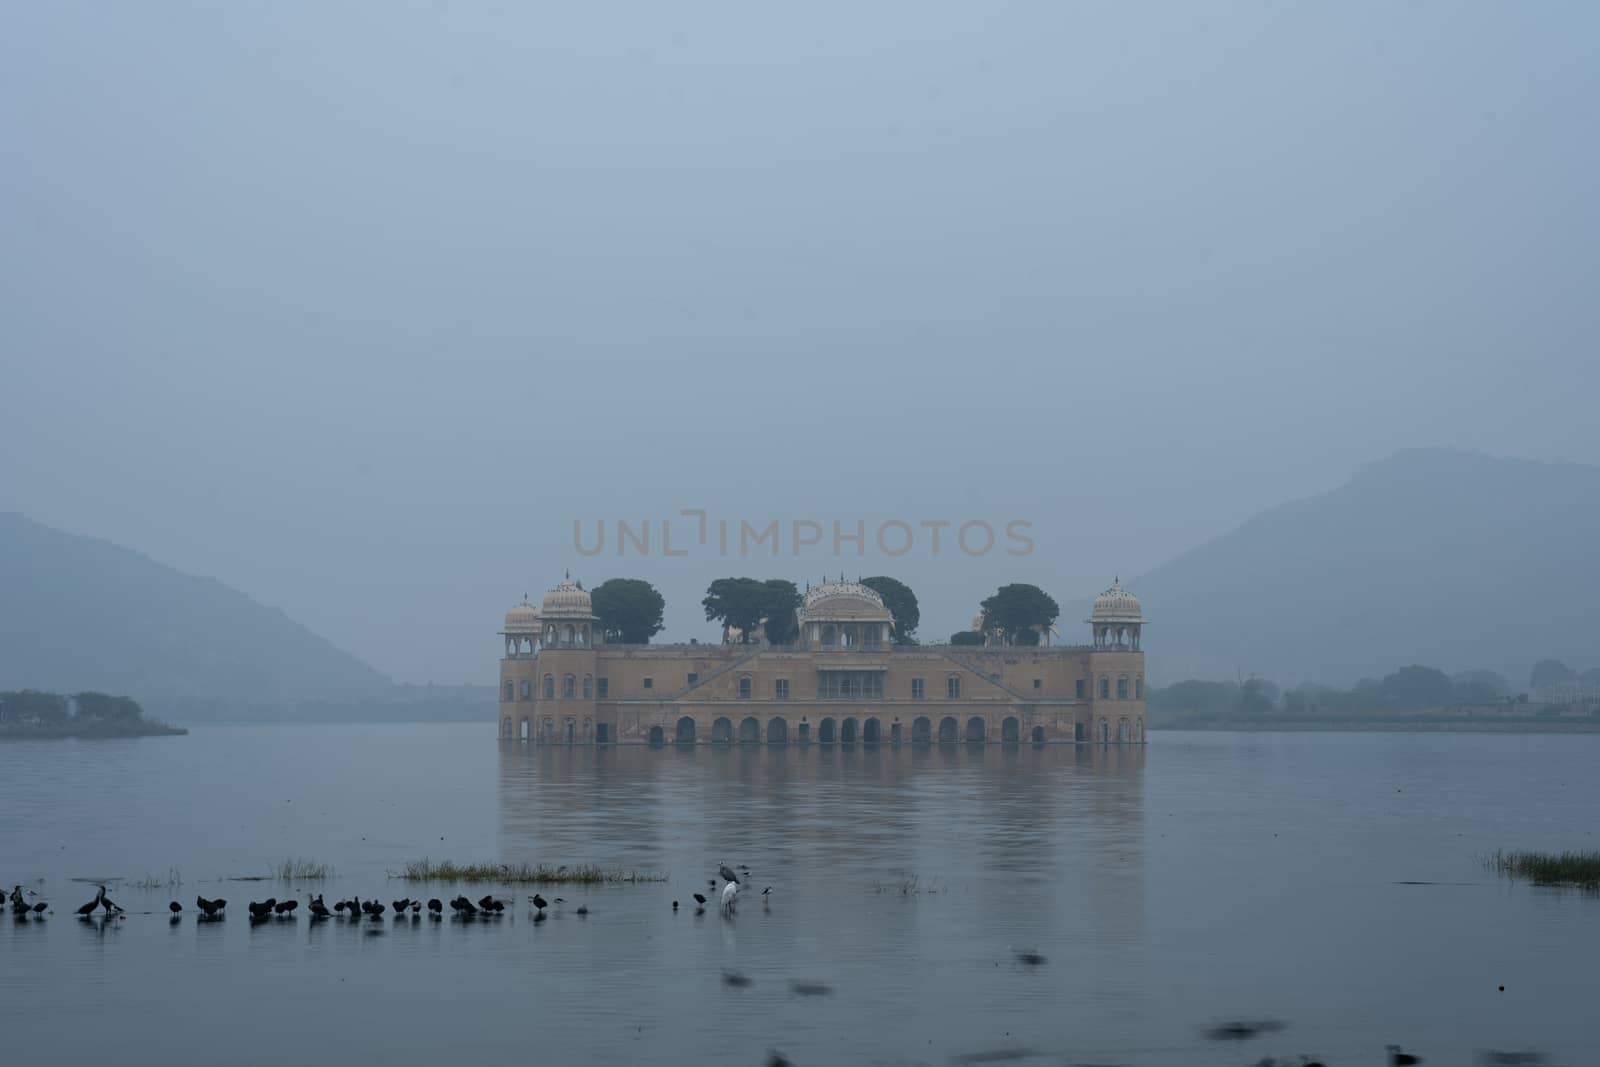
(842,681)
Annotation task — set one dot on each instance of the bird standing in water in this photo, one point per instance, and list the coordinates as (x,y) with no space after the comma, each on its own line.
(730,893)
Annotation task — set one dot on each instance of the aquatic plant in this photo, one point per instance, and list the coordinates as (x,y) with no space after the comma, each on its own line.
(171,880)
(1580,869)
(425,870)
(908,887)
(300,869)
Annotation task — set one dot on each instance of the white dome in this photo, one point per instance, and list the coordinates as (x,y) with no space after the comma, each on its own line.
(844,600)
(523,619)
(567,599)
(1116,605)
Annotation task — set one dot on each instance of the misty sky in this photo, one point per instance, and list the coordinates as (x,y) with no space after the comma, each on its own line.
(356,307)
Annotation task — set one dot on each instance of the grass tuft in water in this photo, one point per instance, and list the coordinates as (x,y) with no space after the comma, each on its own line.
(909,887)
(425,870)
(171,880)
(300,869)
(1549,868)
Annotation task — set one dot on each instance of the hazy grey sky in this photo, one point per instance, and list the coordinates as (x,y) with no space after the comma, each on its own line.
(357,307)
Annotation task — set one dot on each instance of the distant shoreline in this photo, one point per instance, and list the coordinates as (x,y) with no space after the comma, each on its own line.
(96,732)
(1429,725)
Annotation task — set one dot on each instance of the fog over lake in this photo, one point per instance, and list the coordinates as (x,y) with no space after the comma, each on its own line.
(1203,878)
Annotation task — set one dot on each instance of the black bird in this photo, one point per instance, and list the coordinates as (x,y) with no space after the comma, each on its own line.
(38,909)
(375,909)
(401,905)
(210,907)
(416,907)
(89,908)
(727,875)
(539,902)
(435,905)
(1400,1058)
(1029,956)
(106,902)
(318,909)
(713,883)
(735,979)
(486,902)
(18,905)
(583,909)
(175,907)
(286,907)
(497,906)
(260,909)
(674,905)
(700,899)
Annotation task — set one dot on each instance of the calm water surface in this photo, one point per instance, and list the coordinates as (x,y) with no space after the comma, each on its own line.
(1207,877)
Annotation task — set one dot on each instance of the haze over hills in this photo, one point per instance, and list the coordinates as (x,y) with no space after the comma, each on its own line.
(1452,559)
(79,613)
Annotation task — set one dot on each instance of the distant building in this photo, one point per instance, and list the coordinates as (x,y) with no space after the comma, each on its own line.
(843,681)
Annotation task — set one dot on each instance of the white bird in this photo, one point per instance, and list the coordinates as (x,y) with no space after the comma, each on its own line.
(730,892)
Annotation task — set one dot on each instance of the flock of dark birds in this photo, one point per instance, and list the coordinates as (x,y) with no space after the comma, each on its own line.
(490,907)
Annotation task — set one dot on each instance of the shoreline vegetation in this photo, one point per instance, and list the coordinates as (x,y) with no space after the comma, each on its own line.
(1576,869)
(28,714)
(425,870)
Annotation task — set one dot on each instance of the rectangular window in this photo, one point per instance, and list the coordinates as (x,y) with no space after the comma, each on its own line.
(918,690)
(649,683)
(1038,683)
(602,687)
(693,677)
(952,687)
(780,689)
(1122,689)
(1077,689)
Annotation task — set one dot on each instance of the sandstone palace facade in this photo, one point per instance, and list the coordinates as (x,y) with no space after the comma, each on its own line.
(841,682)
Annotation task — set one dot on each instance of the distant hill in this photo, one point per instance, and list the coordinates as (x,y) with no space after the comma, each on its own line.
(77,614)
(1456,560)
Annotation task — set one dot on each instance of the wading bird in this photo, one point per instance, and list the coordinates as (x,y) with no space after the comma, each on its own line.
(730,893)
(435,905)
(175,907)
(1400,1058)
(317,908)
(539,902)
(285,907)
(727,875)
(89,908)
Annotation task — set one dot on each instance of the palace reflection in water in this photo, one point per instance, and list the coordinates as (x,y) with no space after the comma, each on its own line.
(998,845)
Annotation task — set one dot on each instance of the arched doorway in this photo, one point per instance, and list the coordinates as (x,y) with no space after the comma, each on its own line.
(749,731)
(658,736)
(825,731)
(894,733)
(526,729)
(1124,732)
(1105,732)
(921,730)
(572,731)
(1038,735)
(871,731)
(505,727)
(1010,730)
(602,733)
(1077,733)
(805,733)
(777,731)
(975,726)
(949,729)
(847,731)
(722,730)
(685,734)
(549,731)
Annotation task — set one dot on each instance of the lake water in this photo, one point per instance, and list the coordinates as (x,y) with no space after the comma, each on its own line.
(1209,876)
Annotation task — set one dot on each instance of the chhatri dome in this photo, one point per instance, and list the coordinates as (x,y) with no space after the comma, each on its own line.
(843,600)
(523,619)
(567,599)
(1117,619)
(1116,605)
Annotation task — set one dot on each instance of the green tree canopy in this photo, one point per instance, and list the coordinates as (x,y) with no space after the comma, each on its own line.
(630,610)
(1415,687)
(1018,607)
(1549,672)
(902,604)
(746,603)
(966,637)
(782,600)
(30,705)
(108,708)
